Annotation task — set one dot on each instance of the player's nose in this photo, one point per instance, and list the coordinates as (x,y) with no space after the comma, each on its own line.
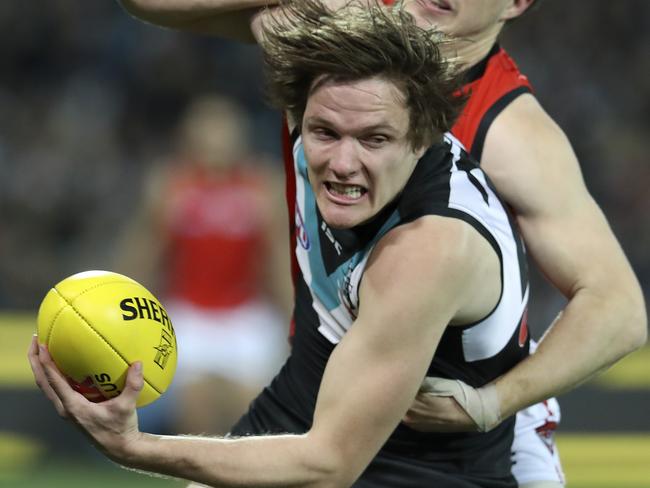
(344,159)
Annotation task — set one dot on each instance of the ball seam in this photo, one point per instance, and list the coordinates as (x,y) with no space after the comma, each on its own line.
(56,316)
(69,302)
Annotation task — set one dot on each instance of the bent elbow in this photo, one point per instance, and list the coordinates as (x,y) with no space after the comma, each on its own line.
(330,467)
(639,336)
(635,322)
(336,474)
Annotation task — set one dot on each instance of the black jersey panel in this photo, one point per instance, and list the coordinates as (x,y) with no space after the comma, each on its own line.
(445,363)
(482,467)
(488,118)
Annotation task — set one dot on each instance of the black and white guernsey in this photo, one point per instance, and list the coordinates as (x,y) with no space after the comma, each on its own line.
(445,182)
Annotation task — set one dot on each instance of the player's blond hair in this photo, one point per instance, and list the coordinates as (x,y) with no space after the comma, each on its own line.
(307,44)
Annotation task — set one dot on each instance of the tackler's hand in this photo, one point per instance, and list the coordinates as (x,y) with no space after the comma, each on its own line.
(444,405)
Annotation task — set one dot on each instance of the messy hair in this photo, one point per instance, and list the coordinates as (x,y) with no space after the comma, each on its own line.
(305,42)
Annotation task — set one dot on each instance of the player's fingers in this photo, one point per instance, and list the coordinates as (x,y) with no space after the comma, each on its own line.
(41,378)
(133,386)
(55,378)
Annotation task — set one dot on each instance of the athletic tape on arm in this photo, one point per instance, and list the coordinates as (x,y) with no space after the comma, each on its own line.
(481,404)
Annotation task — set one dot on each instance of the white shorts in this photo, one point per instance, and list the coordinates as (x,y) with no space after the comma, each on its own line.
(535,456)
(247,344)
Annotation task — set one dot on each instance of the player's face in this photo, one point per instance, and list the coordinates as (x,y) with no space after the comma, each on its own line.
(358,154)
(465,18)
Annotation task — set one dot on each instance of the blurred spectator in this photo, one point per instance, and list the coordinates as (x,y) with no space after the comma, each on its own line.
(208,240)
(88,98)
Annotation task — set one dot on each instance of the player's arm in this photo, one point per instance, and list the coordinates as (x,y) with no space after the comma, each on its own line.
(408,296)
(405,306)
(535,170)
(534,167)
(230,19)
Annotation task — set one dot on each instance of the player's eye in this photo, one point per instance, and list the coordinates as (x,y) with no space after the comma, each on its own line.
(375,140)
(324,134)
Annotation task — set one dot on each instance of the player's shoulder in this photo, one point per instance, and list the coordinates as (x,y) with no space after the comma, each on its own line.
(456,243)
(525,150)
(524,125)
(441,254)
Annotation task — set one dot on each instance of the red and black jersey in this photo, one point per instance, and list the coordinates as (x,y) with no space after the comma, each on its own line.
(492,84)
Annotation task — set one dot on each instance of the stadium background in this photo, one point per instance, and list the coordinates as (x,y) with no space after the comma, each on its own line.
(88,98)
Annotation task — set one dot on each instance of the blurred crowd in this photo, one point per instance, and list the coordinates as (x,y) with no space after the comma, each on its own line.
(90,99)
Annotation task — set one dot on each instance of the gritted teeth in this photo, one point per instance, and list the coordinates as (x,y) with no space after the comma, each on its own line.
(350,191)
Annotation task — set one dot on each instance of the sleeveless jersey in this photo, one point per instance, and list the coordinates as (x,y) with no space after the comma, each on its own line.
(491,85)
(332,262)
(214,226)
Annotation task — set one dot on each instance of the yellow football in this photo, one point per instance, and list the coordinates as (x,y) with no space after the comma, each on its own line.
(97,323)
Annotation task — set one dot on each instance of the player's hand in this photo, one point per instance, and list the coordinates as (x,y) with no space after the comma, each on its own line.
(444,405)
(431,413)
(112,425)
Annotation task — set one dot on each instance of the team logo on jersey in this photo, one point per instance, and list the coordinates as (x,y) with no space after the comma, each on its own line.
(347,291)
(301,233)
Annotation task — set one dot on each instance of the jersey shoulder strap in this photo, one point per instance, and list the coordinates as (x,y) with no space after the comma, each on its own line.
(491,86)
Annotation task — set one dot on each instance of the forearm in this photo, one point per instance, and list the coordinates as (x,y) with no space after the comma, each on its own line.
(592,333)
(202,16)
(605,317)
(267,461)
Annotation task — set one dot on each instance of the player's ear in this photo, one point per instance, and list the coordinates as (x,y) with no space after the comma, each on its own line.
(516,8)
